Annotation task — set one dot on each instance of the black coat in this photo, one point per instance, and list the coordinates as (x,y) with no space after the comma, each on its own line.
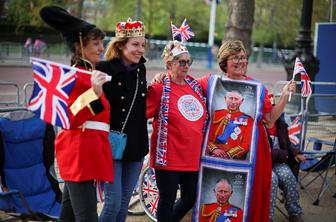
(120,92)
(287,151)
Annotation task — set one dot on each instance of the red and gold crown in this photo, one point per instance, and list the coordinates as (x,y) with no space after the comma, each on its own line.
(130,29)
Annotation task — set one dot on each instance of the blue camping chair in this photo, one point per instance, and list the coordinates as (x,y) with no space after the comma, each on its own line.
(319,161)
(29,191)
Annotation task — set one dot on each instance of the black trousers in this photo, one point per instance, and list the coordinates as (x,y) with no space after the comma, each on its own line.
(168,183)
(79,202)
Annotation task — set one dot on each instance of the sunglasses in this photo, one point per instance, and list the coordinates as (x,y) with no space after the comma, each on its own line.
(183,63)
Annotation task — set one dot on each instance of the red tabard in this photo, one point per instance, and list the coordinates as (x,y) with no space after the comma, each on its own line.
(261,189)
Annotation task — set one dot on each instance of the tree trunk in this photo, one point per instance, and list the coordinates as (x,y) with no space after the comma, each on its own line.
(240,22)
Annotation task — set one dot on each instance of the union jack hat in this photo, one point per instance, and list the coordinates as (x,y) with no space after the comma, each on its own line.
(172,49)
(130,29)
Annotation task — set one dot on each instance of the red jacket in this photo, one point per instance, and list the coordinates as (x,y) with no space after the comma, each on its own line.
(238,132)
(85,154)
(213,211)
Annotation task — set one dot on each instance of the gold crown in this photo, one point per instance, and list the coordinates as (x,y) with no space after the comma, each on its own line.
(130,29)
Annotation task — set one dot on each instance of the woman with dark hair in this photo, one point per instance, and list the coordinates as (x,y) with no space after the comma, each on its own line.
(126,94)
(83,152)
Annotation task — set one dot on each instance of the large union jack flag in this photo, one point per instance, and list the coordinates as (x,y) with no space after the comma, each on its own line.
(53,83)
(305,80)
(294,130)
(184,32)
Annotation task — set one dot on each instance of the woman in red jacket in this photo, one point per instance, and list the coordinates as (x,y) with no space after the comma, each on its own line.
(83,152)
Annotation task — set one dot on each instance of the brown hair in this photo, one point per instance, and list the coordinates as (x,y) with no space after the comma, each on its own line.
(93,34)
(228,48)
(113,49)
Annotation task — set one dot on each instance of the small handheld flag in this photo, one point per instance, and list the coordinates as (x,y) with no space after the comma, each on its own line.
(305,80)
(184,32)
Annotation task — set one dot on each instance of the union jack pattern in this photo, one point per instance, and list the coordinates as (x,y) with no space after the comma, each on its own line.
(184,32)
(150,191)
(52,85)
(305,80)
(294,130)
(175,31)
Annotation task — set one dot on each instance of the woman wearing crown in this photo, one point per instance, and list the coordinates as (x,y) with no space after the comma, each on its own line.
(125,63)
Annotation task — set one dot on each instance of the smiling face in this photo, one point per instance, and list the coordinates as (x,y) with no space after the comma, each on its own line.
(223,192)
(180,65)
(133,50)
(237,66)
(93,50)
(233,100)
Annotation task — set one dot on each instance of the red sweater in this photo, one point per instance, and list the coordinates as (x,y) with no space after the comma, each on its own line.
(186,118)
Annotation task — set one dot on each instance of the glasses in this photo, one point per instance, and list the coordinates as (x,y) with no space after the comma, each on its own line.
(237,59)
(183,63)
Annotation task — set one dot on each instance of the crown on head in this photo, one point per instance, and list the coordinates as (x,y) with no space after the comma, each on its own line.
(172,49)
(130,29)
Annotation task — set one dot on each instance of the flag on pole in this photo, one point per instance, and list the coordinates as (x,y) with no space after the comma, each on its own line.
(53,83)
(294,130)
(175,31)
(184,32)
(305,80)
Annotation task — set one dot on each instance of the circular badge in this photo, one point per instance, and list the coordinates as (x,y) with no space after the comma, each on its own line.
(190,107)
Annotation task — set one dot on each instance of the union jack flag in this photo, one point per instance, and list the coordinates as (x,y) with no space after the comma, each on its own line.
(175,31)
(53,83)
(294,130)
(184,32)
(305,80)
(150,191)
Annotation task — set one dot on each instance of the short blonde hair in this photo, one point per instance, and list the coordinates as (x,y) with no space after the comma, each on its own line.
(228,48)
(113,49)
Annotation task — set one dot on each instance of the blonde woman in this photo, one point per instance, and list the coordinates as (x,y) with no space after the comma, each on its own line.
(125,63)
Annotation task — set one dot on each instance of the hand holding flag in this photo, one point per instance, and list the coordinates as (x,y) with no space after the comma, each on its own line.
(305,80)
(53,83)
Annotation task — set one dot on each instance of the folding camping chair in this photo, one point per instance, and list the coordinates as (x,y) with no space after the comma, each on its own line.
(319,162)
(29,191)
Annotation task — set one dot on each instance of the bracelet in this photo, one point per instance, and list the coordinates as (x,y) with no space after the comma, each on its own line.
(212,147)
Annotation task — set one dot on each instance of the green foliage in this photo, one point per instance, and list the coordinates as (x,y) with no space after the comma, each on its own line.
(26,12)
(157,16)
(280,20)
(274,20)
